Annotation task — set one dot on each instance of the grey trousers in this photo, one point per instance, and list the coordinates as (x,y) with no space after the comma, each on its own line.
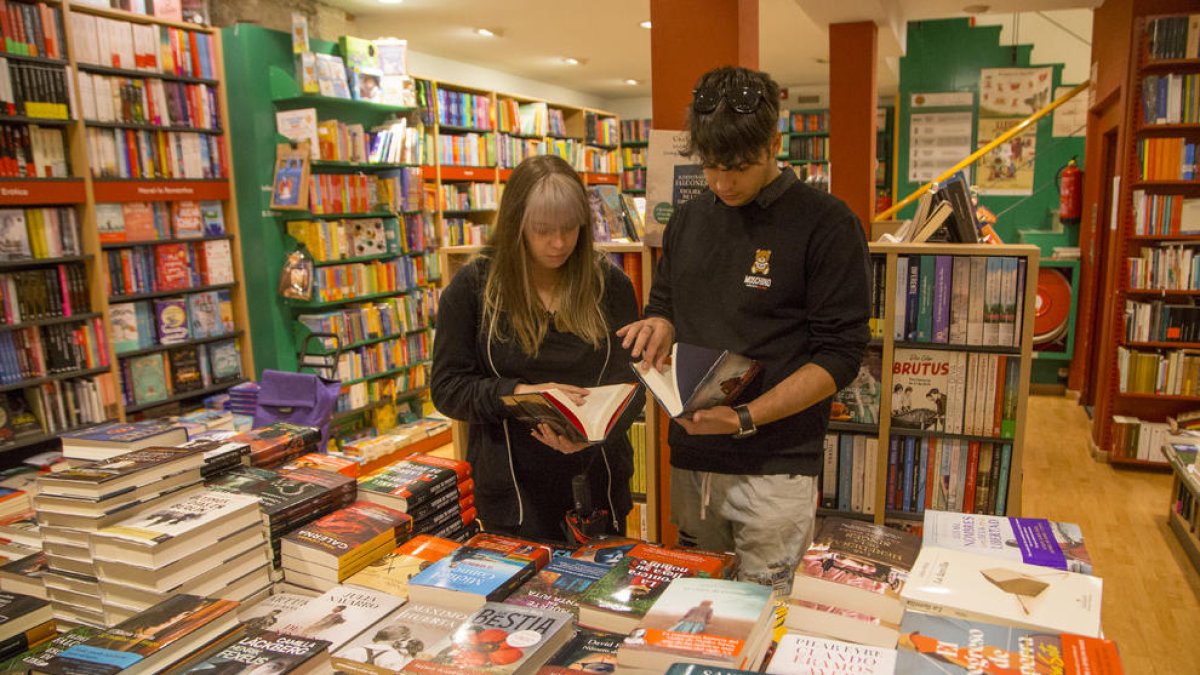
(767,520)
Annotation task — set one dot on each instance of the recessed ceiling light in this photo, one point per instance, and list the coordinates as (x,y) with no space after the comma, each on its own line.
(644,24)
(571,61)
(976,9)
(484,32)
(631,82)
(390,2)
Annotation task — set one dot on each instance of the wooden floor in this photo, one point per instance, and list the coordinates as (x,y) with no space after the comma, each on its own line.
(1151,591)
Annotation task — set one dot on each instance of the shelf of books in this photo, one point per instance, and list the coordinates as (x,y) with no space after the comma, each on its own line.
(1147,372)
(635,138)
(343,111)
(1183,513)
(935,418)
(152,167)
(807,146)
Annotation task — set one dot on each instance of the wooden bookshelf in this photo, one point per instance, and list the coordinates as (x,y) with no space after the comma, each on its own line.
(1183,508)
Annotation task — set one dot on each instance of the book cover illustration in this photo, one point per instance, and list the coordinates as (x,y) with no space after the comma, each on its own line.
(40,655)
(369,237)
(139,222)
(213,216)
(338,615)
(290,185)
(123,319)
(115,468)
(558,585)
(149,376)
(940,644)
(225,363)
(277,440)
(204,315)
(804,654)
(187,219)
(277,495)
(172,319)
(607,551)
(920,380)
(1034,541)
(185,369)
(713,619)
(346,530)
(410,481)
(122,432)
(392,572)
(861,555)
(632,585)
(474,570)
(261,652)
(540,554)
(14,239)
(412,632)
(590,651)
(500,638)
(264,615)
(697,378)
(179,517)
(859,401)
(173,270)
(225,305)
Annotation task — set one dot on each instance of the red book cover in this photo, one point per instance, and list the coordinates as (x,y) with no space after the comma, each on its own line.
(139,221)
(346,535)
(968,500)
(539,553)
(932,472)
(171,265)
(459,466)
(278,442)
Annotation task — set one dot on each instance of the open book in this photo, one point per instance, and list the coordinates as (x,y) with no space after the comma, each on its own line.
(589,422)
(698,377)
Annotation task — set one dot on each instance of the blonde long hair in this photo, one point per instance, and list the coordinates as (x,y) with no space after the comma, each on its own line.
(543,189)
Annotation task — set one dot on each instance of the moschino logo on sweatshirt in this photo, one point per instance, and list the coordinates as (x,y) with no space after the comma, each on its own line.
(760,270)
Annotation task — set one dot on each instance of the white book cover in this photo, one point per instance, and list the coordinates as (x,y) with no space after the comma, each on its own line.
(858,462)
(901,299)
(339,614)
(870,475)
(180,517)
(1008,301)
(219,262)
(84,38)
(807,655)
(411,632)
(969,401)
(971,586)
(976,310)
(960,299)
(1035,541)
(299,125)
(993,300)
(265,613)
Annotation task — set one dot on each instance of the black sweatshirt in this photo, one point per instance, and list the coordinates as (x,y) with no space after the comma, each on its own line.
(783,279)
(471,372)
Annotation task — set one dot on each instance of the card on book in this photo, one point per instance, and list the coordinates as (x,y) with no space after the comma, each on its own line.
(697,378)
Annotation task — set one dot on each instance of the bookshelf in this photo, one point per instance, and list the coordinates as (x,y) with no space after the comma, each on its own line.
(964,427)
(808,146)
(64,292)
(374,256)
(1183,514)
(884,151)
(635,139)
(1145,339)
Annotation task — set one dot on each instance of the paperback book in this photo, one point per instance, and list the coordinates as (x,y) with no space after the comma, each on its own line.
(266,651)
(697,378)
(1034,541)
(590,651)
(412,632)
(500,638)
(590,422)
(469,577)
(804,655)
(558,585)
(392,572)
(347,539)
(338,615)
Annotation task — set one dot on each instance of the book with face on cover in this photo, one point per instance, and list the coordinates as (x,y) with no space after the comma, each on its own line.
(805,654)
(946,646)
(338,615)
(1035,541)
(409,633)
(266,652)
(976,587)
(588,422)
(499,638)
(698,377)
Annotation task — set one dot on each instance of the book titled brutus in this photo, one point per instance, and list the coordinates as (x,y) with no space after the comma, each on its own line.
(698,377)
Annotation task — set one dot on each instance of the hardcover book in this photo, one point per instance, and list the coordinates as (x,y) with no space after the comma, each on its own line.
(920,382)
(185,369)
(944,645)
(558,585)
(172,269)
(500,638)
(224,361)
(589,650)
(266,651)
(345,538)
(965,585)
(804,654)
(411,632)
(139,221)
(1034,541)
(204,315)
(697,378)
(469,577)
(123,319)
(589,422)
(338,615)
(150,641)
(171,318)
(716,622)
(392,572)
(857,566)
(619,599)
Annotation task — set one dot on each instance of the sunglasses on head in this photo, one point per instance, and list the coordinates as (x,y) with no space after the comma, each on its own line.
(744,99)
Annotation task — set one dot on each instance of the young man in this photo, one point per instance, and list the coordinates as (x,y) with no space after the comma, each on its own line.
(762,265)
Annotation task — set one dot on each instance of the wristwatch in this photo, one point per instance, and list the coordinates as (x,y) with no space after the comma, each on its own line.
(746,427)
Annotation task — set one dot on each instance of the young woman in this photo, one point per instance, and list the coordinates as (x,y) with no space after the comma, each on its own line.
(537,310)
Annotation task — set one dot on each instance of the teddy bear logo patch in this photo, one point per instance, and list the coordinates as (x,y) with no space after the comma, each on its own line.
(760,270)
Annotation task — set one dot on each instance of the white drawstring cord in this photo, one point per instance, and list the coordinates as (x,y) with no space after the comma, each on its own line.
(705,492)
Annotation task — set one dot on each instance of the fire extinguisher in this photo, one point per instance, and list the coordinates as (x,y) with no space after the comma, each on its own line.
(1070,193)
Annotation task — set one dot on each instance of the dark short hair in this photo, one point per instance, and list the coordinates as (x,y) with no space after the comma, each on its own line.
(725,137)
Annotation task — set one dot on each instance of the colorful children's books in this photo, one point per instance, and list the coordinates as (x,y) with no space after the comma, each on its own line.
(187,219)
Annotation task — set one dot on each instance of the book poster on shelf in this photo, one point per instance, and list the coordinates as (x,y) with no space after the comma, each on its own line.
(1008,168)
(937,140)
(289,189)
(672,178)
(1013,92)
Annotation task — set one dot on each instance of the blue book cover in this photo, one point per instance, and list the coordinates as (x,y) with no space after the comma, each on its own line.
(118,432)
(925,299)
(147,333)
(910,309)
(910,449)
(845,469)
(476,571)
(943,266)
(214,218)
(922,474)
(559,584)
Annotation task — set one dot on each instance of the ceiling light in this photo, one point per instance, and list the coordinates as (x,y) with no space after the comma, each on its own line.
(484,32)
(631,82)
(644,24)
(976,9)
(571,61)
(390,2)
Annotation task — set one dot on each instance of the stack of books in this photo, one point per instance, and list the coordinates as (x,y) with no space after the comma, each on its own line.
(203,542)
(391,573)
(617,601)
(499,638)
(278,443)
(414,631)
(243,399)
(325,552)
(470,577)
(288,499)
(338,615)
(714,622)
(264,614)
(849,581)
(804,654)
(436,492)
(25,622)
(116,438)
(74,504)
(219,455)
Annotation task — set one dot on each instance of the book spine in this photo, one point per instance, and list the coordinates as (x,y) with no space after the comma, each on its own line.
(845,468)
(829,472)
(906,478)
(943,269)
(1002,480)
(928,272)
(922,475)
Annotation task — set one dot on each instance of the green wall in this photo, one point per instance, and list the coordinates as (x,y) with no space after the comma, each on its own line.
(947,55)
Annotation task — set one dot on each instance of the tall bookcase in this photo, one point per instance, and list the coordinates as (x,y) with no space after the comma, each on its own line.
(1140,376)
(808,146)
(167,175)
(379,303)
(635,137)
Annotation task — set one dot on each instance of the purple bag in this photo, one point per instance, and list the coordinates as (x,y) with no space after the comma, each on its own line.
(299,398)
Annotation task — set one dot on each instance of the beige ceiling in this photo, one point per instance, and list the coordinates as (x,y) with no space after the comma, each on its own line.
(535,35)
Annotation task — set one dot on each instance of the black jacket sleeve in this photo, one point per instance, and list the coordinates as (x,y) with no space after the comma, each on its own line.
(621,303)
(659,303)
(461,384)
(839,293)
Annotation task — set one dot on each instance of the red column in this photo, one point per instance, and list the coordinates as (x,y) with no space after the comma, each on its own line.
(689,38)
(853,52)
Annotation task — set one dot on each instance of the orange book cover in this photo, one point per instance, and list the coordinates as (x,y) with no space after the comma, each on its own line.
(540,554)
(323,462)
